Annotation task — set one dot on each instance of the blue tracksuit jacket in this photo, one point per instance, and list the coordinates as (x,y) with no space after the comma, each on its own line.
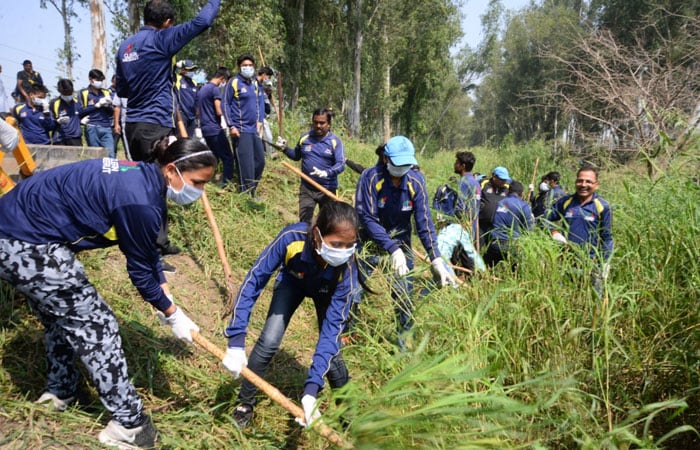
(187,96)
(94,204)
(292,253)
(589,225)
(326,153)
(385,211)
(61,108)
(244,104)
(513,216)
(210,123)
(33,123)
(145,66)
(99,117)
(469,201)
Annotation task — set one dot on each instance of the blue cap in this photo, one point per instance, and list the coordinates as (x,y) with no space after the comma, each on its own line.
(186,64)
(400,151)
(502,173)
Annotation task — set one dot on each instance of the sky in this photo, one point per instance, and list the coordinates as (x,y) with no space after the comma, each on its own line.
(29,32)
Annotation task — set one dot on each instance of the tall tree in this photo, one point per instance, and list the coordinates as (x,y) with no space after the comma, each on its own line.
(99,36)
(66,55)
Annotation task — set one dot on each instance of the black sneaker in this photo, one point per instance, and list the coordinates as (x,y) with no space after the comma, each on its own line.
(243,414)
(167,267)
(142,436)
(170,250)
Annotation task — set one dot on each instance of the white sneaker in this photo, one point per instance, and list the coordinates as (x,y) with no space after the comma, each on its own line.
(59,404)
(116,435)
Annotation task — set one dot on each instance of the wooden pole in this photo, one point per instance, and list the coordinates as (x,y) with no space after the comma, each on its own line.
(532,182)
(222,252)
(312,182)
(280,105)
(274,393)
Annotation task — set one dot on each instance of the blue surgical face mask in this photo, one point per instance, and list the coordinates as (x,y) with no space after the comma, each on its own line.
(335,256)
(248,71)
(397,171)
(186,195)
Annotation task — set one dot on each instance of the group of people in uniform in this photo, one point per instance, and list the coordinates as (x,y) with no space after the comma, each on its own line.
(54,214)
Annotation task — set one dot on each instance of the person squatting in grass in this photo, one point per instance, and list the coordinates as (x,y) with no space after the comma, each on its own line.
(315,261)
(588,220)
(388,196)
(322,158)
(56,213)
(512,218)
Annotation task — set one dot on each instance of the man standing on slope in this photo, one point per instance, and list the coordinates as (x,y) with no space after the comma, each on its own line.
(244,111)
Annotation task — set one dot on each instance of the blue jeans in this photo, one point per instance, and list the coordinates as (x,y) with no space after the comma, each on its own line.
(98,136)
(285,300)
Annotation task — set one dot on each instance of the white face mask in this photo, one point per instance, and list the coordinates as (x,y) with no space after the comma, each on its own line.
(97,84)
(335,256)
(38,101)
(66,98)
(544,187)
(397,171)
(188,194)
(248,71)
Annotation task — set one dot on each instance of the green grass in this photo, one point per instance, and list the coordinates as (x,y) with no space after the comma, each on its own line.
(531,359)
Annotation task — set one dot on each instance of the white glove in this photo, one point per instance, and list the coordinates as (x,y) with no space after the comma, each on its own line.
(311,412)
(319,173)
(446,276)
(63,120)
(104,101)
(281,142)
(198,133)
(531,187)
(235,360)
(557,236)
(45,104)
(85,120)
(180,324)
(398,263)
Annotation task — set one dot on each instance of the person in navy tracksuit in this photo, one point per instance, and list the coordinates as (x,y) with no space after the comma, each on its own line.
(314,261)
(244,111)
(97,112)
(388,196)
(34,118)
(588,219)
(66,112)
(513,216)
(210,113)
(322,158)
(56,213)
(186,90)
(145,74)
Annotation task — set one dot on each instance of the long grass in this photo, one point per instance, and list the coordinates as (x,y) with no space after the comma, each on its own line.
(531,358)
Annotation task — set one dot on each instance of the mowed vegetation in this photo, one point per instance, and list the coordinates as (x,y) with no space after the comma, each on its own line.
(531,359)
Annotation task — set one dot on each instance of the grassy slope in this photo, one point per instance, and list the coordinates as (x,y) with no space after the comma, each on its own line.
(531,359)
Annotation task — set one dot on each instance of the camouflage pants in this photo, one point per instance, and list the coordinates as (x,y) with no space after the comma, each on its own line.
(77,321)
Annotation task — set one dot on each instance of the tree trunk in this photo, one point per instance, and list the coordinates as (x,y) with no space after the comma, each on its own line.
(67,40)
(386,110)
(99,41)
(297,62)
(134,16)
(354,113)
